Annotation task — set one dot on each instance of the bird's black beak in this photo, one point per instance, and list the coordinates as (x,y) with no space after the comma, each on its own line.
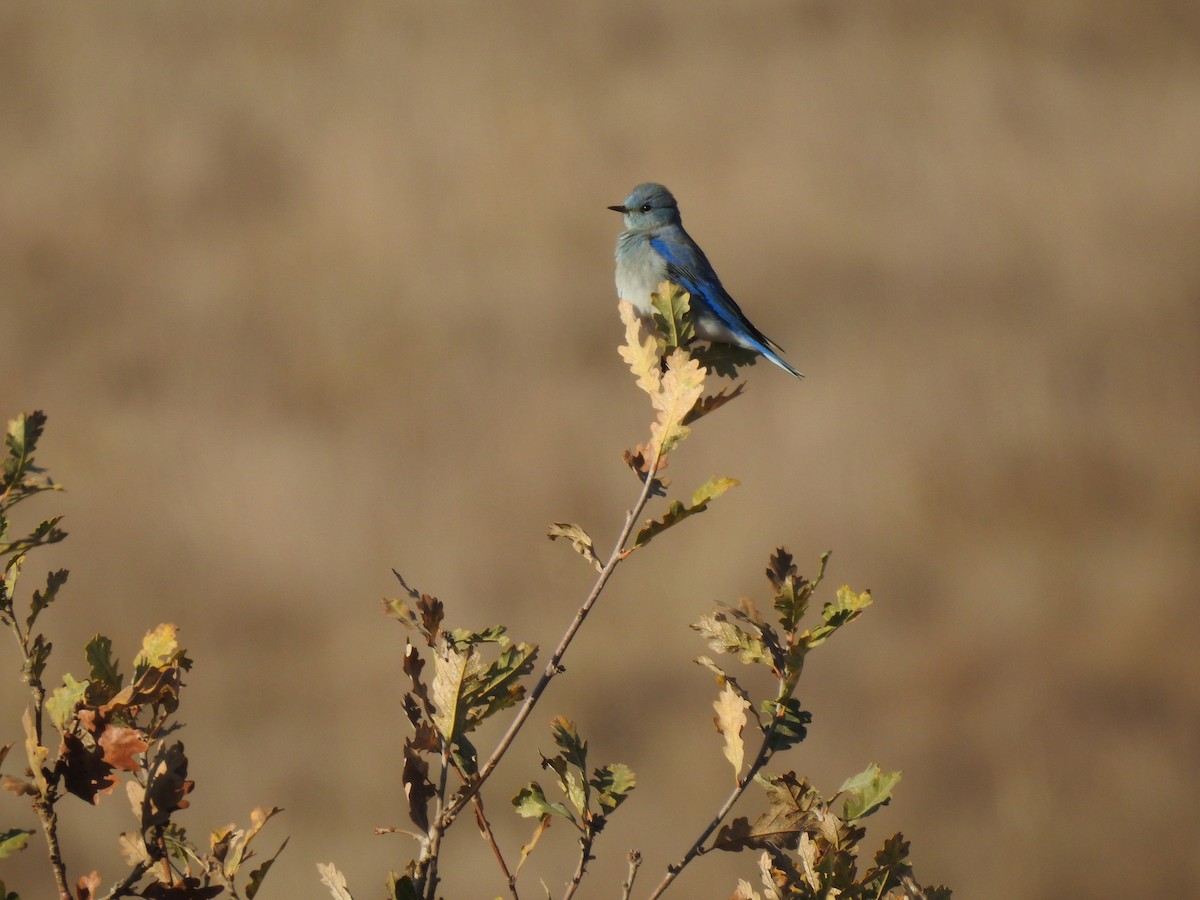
(620,209)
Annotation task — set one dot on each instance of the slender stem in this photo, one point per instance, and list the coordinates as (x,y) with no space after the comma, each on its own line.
(122,887)
(44,806)
(427,875)
(760,760)
(635,862)
(585,854)
(553,667)
(485,828)
(167,876)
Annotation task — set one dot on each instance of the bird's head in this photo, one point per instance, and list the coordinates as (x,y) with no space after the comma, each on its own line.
(648,206)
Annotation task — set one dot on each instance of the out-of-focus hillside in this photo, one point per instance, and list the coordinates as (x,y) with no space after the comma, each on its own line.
(315,290)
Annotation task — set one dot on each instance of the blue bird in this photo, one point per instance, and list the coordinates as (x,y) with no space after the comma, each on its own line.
(654,248)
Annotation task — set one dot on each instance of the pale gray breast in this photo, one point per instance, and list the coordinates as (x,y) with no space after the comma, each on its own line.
(639,270)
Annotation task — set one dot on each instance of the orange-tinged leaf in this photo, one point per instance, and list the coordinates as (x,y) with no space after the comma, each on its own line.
(17,786)
(120,746)
(526,849)
(155,684)
(259,817)
(85,773)
(88,886)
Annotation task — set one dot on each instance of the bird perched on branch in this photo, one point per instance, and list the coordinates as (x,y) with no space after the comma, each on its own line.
(654,248)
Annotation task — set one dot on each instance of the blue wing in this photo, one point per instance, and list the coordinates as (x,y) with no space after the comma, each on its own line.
(688,267)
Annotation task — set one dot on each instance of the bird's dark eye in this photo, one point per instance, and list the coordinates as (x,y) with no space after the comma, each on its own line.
(646,207)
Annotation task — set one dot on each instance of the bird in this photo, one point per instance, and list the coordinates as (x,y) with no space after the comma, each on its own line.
(654,248)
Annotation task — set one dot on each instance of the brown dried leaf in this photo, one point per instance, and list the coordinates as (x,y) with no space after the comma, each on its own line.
(17,786)
(85,773)
(639,460)
(417,787)
(156,685)
(705,405)
(167,787)
(780,567)
(88,885)
(120,746)
(580,540)
(187,889)
(425,738)
(542,826)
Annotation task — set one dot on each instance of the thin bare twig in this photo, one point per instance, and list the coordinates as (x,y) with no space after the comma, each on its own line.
(635,862)
(760,759)
(485,828)
(123,887)
(427,874)
(554,666)
(585,855)
(44,806)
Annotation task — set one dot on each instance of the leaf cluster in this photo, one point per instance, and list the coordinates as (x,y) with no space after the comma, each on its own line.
(743,632)
(111,726)
(807,850)
(20,479)
(670,372)
(671,316)
(476,674)
(592,798)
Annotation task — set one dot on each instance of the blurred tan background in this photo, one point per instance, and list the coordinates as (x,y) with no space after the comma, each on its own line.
(310,291)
